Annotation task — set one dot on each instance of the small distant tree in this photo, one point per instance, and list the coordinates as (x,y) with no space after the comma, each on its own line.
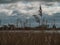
(20,22)
(54,25)
(25,23)
(0,22)
(17,22)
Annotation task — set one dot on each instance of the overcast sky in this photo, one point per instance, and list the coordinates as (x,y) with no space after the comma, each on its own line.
(11,9)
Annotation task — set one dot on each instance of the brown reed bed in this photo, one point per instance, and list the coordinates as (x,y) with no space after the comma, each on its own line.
(21,38)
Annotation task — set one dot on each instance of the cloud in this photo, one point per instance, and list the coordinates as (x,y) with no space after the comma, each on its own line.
(13,1)
(19,6)
(50,10)
(23,9)
(30,8)
(8,1)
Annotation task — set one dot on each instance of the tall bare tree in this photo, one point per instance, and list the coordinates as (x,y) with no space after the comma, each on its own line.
(17,22)
(0,21)
(40,11)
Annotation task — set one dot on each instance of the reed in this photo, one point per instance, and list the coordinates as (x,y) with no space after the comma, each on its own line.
(21,38)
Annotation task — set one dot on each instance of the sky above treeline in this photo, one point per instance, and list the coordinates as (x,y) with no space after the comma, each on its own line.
(10,10)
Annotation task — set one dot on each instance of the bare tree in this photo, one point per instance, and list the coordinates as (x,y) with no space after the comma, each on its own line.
(40,11)
(0,21)
(17,22)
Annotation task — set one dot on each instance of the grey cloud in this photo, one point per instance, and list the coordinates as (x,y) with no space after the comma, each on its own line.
(12,19)
(8,1)
(13,1)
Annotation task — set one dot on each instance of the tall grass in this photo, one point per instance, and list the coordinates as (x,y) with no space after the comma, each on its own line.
(20,38)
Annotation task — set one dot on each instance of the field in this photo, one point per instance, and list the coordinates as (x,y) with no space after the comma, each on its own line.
(29,38)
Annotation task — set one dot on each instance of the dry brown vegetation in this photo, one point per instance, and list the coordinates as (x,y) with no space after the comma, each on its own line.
(20,38)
